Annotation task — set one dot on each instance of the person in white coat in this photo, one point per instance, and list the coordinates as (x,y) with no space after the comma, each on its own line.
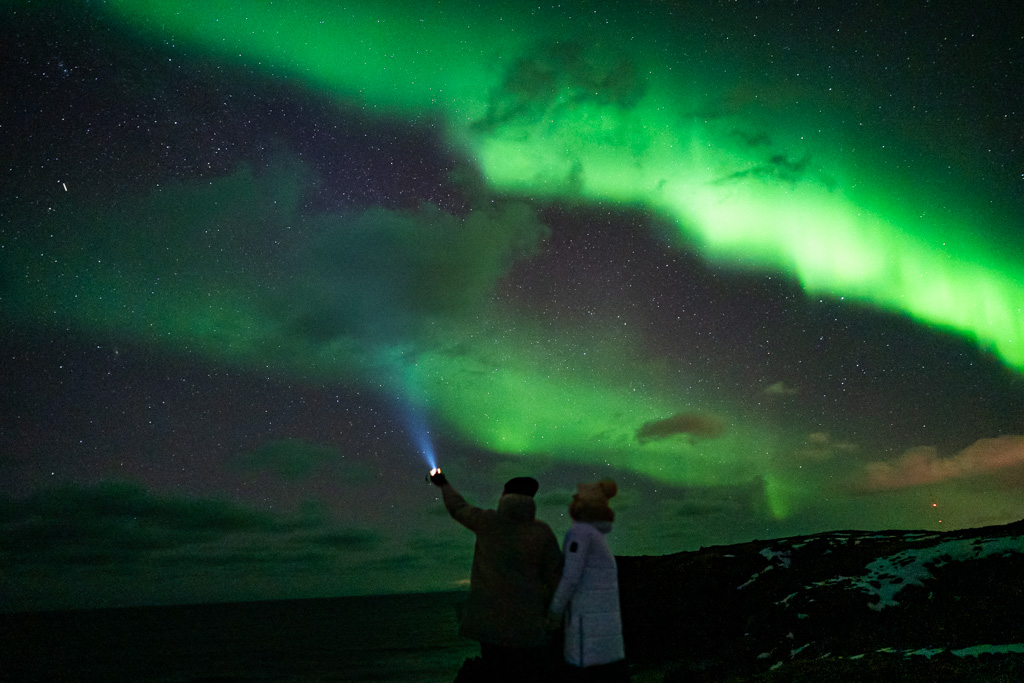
(588,593)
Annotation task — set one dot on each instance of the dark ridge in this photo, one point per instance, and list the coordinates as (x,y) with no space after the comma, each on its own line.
(843,605)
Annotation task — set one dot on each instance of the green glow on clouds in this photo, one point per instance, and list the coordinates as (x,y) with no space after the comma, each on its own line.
(199,280)
(570,120)
(518,398)
(542,118)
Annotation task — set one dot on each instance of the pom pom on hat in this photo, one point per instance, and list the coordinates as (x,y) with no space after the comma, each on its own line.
(600,491)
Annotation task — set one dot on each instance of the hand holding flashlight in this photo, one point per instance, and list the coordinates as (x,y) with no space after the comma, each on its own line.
(436,478)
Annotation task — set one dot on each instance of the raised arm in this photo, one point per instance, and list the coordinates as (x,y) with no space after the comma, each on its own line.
(461,511)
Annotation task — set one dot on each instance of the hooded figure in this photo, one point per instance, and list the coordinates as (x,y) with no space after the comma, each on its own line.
(588,593)
(516,566)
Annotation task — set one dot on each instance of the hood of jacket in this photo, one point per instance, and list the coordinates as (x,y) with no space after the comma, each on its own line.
(517,507)
(602,526)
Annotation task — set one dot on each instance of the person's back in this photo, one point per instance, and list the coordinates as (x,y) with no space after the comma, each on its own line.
(516,567)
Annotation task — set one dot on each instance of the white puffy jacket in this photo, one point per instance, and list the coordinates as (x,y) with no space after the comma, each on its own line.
(588,595)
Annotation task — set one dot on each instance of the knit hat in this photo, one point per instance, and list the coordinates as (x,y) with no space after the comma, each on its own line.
(598,492)
(524,486)
(590,504)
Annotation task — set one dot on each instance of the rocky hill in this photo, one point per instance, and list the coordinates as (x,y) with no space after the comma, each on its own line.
(840,606)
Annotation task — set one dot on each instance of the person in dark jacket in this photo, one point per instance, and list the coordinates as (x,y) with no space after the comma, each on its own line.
(516,568)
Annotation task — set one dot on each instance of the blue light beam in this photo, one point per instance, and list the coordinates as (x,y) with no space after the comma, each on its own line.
(417,425)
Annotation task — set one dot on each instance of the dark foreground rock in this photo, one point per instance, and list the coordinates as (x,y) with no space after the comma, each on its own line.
(838,606)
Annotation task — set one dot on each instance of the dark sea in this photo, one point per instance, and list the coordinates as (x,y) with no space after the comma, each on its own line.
(409,638)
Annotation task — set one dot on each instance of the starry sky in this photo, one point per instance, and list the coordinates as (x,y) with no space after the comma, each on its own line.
(263,264)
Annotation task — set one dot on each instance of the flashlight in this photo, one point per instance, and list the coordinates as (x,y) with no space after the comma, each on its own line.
(436,470)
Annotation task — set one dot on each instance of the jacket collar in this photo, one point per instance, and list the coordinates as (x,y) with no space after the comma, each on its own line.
(602,526)
(517,507)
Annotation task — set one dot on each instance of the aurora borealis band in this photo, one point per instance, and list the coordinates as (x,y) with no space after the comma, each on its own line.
(606,122)
(761,266)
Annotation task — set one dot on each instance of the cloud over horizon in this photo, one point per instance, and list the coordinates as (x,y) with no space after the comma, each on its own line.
(923,465)
(124,523)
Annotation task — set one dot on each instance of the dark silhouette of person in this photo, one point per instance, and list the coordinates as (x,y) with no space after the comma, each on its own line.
(516,567)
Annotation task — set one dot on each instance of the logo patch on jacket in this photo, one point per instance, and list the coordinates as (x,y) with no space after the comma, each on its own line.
(573,547)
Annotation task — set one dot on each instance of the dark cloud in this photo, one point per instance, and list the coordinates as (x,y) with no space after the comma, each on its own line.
(290,459)
(697,426)
(560,76)
(183,263)
(344,540)
(741,501)
(781,389)
(387,273)
(819,446)
(777,167)
(730,513)
(123,523)
(752,139)
(237,266)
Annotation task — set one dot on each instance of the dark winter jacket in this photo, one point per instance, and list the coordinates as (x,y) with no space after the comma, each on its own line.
(516,567)
(589,595)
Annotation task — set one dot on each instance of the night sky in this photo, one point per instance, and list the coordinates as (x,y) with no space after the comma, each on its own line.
(761,263)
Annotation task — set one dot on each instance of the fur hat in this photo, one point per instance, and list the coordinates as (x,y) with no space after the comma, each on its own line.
(590,504)
(524,486)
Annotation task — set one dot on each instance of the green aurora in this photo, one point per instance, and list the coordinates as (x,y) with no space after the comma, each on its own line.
(544,116)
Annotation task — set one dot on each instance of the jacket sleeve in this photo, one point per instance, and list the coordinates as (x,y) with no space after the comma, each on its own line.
(553,561)
(461,511)
(576,546)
